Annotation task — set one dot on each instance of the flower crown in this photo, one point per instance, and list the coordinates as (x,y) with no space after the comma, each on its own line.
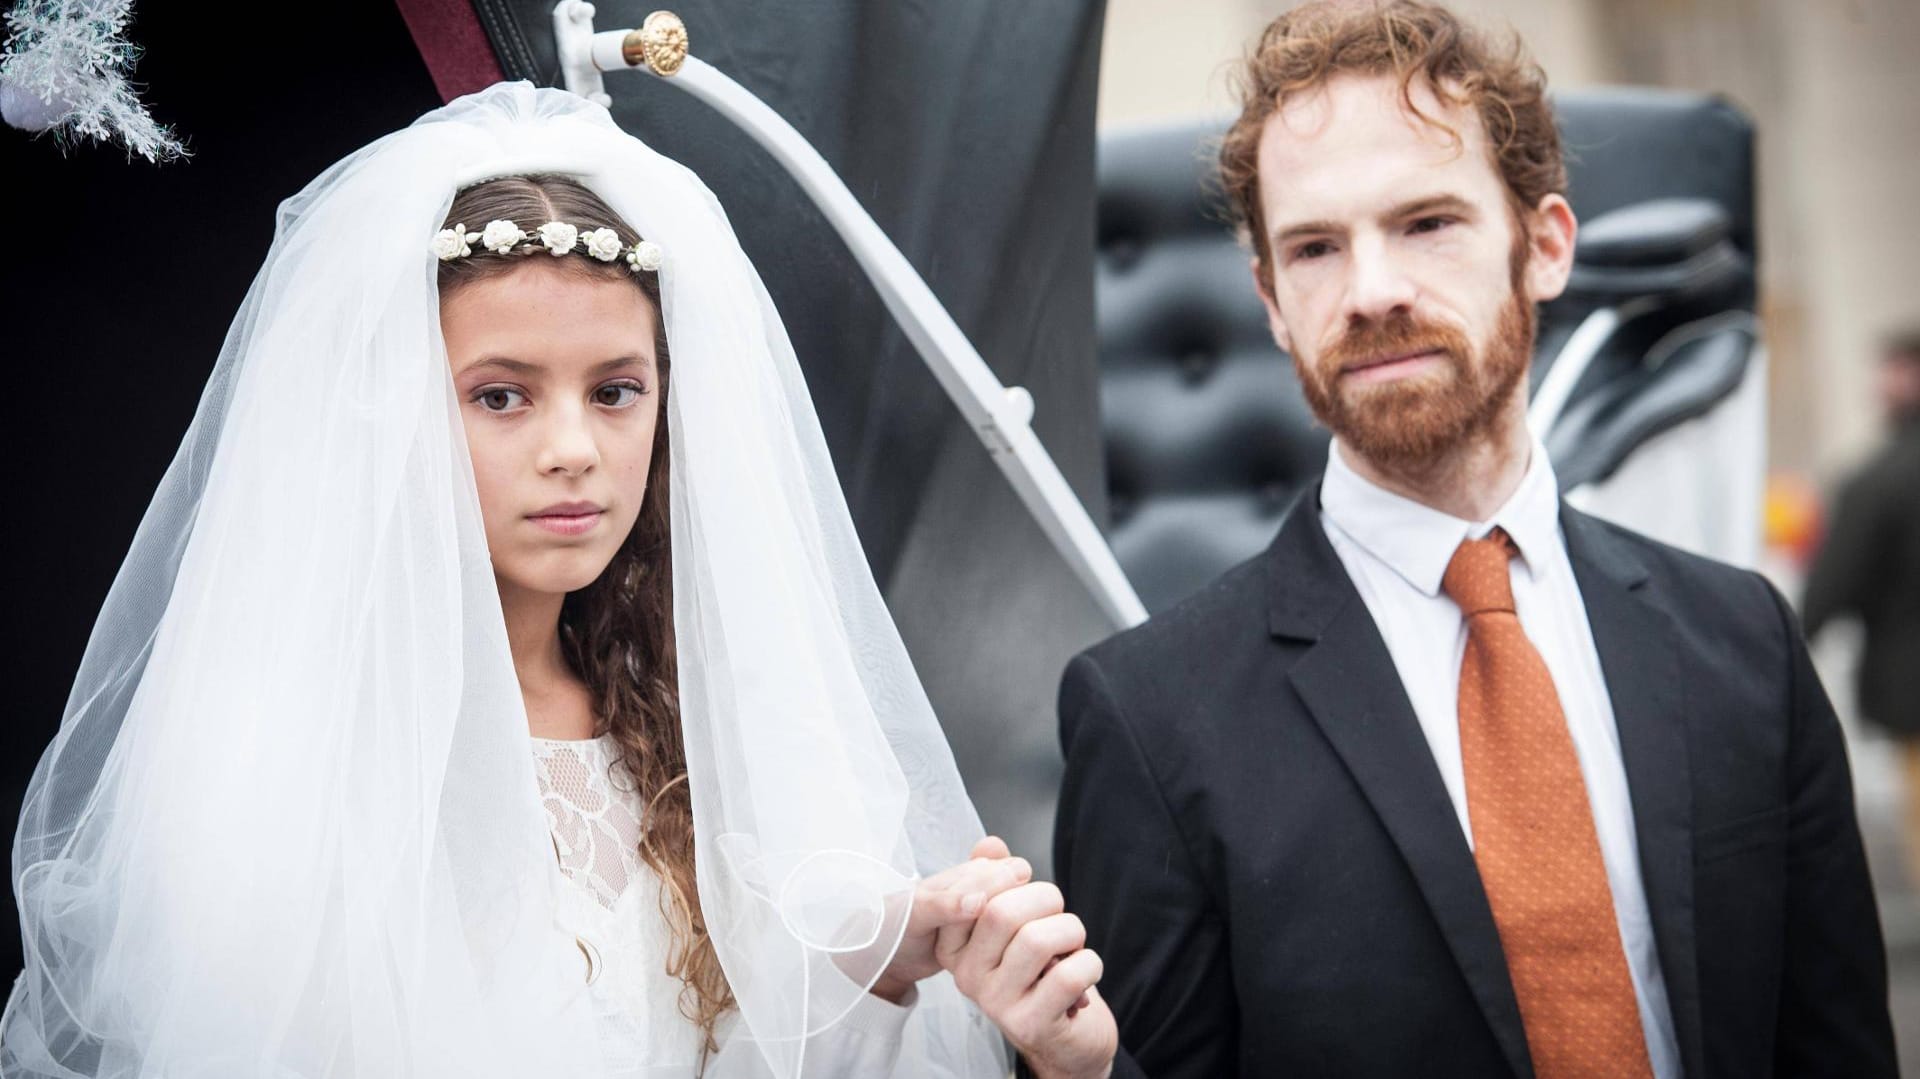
(558,237)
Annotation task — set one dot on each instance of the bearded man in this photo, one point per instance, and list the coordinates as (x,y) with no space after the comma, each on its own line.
(1454,780)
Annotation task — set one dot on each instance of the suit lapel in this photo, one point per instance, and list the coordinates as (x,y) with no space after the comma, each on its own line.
(1639,660)
(1351,688)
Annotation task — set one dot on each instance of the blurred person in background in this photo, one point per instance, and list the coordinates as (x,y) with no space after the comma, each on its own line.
(1868,568)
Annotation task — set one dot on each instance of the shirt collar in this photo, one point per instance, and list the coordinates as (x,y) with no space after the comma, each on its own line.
(1417,541)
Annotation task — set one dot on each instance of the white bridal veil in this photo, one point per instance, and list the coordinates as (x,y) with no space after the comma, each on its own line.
(289,826)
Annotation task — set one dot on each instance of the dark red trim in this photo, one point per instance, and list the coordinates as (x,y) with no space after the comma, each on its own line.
(453,43)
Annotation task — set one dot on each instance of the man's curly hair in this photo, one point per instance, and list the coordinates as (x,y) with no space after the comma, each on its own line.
(1304,49)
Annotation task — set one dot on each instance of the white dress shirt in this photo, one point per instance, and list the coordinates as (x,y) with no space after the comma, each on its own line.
(1396,550)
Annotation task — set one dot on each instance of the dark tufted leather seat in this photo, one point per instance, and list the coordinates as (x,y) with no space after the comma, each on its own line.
(1207,435)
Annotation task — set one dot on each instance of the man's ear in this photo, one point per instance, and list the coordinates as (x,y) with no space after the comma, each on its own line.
(1552,230)
(1275,323)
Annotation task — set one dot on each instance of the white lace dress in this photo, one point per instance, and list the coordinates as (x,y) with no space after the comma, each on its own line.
(613,910)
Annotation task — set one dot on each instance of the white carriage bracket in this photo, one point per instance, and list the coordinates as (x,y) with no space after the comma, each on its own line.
(1001,416)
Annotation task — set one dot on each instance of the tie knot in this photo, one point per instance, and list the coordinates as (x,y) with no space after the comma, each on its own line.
(1476,578)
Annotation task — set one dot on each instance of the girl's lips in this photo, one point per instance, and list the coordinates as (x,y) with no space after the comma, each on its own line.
(567,524)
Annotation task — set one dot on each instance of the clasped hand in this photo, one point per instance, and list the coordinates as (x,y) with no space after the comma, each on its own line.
(1016,953)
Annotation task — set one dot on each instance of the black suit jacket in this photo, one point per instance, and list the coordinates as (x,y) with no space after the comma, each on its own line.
(1256,834)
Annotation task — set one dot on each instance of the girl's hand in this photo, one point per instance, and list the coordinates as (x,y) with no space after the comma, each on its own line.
(951,898)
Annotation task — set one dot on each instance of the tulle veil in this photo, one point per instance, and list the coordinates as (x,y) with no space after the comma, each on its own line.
(289,825)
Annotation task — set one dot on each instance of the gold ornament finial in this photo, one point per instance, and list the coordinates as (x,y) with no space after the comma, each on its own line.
(660,43)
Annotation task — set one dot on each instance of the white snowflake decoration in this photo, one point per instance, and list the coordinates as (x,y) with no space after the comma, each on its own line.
(64,69)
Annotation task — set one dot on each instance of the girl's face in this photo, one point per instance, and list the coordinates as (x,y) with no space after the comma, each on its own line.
(555,375)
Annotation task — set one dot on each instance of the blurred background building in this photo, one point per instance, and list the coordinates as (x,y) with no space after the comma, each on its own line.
(1834,91)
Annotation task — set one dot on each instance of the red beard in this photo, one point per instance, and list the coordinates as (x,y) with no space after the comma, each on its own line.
(1417,420)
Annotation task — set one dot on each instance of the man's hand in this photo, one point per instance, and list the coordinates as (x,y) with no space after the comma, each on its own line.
(1024,960)
(952,897)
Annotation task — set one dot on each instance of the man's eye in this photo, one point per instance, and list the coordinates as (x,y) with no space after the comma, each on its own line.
(1430,224)
(1313,250)
(499,399)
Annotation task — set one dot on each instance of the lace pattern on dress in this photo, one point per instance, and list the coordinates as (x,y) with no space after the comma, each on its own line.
(593,810)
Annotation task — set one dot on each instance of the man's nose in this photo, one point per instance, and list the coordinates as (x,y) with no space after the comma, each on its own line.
(1378,285)
(569,447)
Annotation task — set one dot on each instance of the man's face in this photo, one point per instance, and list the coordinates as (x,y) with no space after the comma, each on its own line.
(1398,276)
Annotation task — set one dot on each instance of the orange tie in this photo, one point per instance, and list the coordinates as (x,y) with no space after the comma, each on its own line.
(1534,839)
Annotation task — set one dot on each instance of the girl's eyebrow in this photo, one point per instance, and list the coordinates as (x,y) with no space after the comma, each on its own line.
(523,368)
(620,362)
(510,366)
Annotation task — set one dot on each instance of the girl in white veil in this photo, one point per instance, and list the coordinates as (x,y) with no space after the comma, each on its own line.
(291,826)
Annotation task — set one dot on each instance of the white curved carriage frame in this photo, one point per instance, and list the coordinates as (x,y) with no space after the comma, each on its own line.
(1000,415)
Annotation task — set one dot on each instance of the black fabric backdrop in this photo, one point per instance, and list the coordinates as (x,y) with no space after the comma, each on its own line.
(965,129)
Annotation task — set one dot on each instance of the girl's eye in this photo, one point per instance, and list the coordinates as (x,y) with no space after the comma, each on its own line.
(618,394)
(500,399)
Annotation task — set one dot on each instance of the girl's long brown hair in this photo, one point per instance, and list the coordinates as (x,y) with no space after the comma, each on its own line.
(617,632)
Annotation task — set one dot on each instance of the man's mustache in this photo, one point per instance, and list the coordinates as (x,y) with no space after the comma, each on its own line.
(1366,344)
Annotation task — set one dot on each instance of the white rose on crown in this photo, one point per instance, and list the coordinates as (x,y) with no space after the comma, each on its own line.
(646,255)
(603,244)
(500,236)
(559,237)
(452,243)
